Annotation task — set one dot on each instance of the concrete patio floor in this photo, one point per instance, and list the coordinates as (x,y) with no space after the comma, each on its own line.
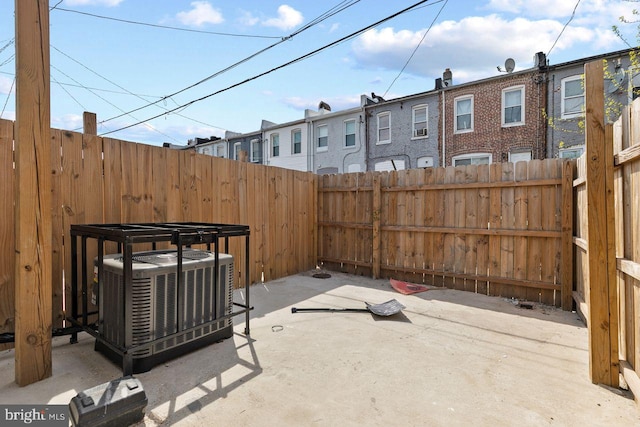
(450,358)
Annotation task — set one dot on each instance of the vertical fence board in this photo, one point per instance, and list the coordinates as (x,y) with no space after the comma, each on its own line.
(57,247)
(7,227)
(521,222)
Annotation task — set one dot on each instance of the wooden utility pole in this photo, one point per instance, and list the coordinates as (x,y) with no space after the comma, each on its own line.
(33,285)
(603,307)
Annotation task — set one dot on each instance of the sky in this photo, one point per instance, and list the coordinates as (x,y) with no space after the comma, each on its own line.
(156,71)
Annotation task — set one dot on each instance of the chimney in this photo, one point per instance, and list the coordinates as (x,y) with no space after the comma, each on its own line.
(447,77)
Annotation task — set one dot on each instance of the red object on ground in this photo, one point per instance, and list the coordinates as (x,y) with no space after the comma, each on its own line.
(407,288)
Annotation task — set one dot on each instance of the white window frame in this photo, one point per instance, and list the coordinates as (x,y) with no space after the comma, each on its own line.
(517,154)
(388,128)
(322,138)
(455,114)
(421,132)
(274,142)
(346,122)
(425,162)
(562,153)
(505,106)
(256,151)
(564,98)
(388,165)
(293,141)
(237,147)
(220,150)
(471,156)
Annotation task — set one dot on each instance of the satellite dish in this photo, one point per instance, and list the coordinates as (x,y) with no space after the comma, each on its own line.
(509,65)
(616,81)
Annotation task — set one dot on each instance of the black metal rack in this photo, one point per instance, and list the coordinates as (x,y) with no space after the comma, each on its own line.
(179,234)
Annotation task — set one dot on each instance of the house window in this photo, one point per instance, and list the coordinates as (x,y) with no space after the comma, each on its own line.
(296,141)
(513,106)
(256,151)
(472,159)
(425,162)
(350,133)
(275,145)
(384,128)
(237,147)
(323,138)
(220,150)
(463,111)
(389,165)
(572,97)
(205,150)
(420,121)
(519,156)
(572,152)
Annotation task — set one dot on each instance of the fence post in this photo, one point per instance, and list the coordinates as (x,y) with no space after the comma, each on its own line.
(89,123)
(603,317)
(33,266)
(376,226)
(567,259)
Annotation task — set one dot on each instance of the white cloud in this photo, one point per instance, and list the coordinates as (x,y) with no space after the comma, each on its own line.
(5,85)
(334,27)
(108,3)
(201,13)
(247,18)
(287,19)
(471,47)
(69,121)
(336,103)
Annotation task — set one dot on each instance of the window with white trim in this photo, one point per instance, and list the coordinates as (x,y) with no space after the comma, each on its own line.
(513,106)
(296,141)
(237,147)
(463,113)
(572,97)
(220,150)
(419,121)
(256,151)
(349,133)
(275,145)
(572,152)
(472,159)
(389,165)
(384,128)
(520,156)
(323,138)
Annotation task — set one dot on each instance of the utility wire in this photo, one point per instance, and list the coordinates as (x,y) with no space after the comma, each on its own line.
(416,49)
(110,103)
(331,12)
(300,58)
(6,101)
(126,91)
(166,27)
(564,28)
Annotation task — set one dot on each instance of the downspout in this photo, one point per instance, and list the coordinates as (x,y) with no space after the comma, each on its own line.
(444,132)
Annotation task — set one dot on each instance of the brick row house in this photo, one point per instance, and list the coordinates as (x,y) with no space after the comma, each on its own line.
(530,114)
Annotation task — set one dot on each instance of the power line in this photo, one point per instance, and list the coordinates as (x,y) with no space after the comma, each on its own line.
(298,59)
(564,28)
(416,48)
(331,12)
(166,27)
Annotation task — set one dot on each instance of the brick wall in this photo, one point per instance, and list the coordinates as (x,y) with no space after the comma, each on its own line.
(488,135)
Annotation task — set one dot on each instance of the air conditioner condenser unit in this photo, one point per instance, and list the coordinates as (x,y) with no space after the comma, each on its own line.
(158,309)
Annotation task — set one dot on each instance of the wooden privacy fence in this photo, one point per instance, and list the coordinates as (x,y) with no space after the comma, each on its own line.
(103,180)
(607,239)
(499,229)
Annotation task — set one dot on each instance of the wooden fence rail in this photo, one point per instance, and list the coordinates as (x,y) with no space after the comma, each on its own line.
(104,180)
(499,229)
